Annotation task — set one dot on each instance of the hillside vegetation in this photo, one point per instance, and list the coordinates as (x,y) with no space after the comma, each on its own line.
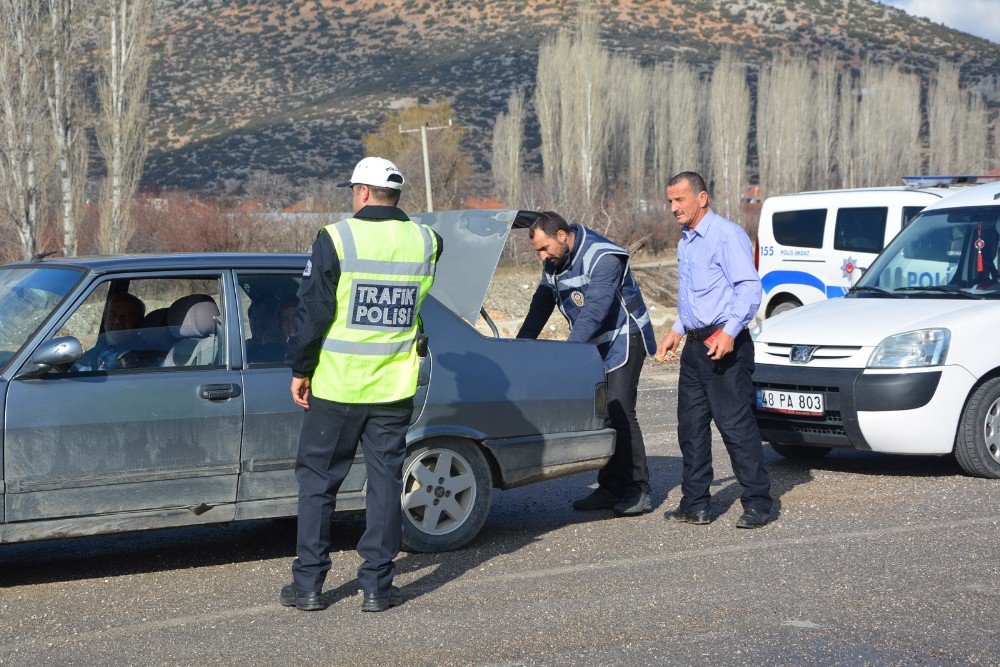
(291,86)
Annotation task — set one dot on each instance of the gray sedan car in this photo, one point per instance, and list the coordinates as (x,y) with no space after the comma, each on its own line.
(145,392)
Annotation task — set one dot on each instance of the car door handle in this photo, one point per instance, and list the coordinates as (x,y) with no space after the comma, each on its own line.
(218,392)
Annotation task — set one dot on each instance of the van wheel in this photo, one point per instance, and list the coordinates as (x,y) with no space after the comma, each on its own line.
(977,447)
(785,306)
(801,453)
(447,492)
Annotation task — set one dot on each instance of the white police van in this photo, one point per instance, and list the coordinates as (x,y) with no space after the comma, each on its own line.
(810,244)
(898,365)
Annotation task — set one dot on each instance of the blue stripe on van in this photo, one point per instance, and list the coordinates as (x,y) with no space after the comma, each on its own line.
(771,280)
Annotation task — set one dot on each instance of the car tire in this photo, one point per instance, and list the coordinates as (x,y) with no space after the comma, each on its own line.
(977,447)
(801,453)
(784,307)
(447,492)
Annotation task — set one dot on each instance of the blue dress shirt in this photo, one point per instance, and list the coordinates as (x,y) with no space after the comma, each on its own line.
(718,281)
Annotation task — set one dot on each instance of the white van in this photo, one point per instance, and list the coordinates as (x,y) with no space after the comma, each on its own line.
(810,244)
(897,365)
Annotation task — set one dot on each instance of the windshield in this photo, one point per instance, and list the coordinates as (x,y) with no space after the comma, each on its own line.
(28,295)
(947,253)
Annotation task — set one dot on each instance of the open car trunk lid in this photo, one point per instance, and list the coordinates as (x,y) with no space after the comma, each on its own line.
(473,242)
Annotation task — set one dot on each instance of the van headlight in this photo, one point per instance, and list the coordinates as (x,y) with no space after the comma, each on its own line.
(756,330)
(926,347)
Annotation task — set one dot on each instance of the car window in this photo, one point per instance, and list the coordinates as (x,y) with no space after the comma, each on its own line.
(128,324)
(803,229)
(860,229)
(267,305)
(909,213)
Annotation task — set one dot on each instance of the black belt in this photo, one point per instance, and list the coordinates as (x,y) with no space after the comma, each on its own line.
(703,332)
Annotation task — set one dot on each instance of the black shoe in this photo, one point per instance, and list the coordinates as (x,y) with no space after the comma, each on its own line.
(373,602)
(634,503)
(301,600)
(697,517)
(600,499)
(752,518)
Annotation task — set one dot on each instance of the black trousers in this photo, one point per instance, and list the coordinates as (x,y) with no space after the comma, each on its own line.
(721,391)
(627,467)
(328,441)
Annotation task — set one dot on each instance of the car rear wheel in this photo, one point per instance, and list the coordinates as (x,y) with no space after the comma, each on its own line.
(784,307)
(801,453)
(447,491)
(977,447)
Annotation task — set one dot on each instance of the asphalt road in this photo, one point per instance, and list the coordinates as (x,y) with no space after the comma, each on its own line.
(873,560)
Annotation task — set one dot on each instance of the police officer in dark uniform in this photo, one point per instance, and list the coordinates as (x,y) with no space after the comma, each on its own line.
(588,278)
(354,371)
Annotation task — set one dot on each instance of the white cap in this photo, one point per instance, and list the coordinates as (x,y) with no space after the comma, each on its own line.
(375,171)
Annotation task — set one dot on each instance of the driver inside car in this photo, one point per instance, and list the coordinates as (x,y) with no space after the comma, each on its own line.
(122,323)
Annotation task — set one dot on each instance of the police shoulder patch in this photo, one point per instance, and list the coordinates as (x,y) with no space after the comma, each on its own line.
(577,297)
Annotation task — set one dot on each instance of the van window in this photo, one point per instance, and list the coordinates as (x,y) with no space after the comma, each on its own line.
(860,229)
(803,229)
(909,213)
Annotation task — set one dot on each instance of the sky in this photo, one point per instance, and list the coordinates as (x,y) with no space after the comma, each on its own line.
(978,17)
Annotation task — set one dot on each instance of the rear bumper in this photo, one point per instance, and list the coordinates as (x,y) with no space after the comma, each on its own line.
(846,393)
(534,458)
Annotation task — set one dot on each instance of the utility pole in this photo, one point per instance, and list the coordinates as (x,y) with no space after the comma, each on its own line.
(427,165)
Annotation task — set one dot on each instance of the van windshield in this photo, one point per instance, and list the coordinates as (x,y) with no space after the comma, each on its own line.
(946,253)
(28,295)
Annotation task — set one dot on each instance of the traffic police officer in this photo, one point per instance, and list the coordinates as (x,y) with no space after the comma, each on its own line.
(354,370)
(588,277)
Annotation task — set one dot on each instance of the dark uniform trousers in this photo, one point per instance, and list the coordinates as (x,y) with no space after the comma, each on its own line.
(627,467)
(329,439)
(721,391)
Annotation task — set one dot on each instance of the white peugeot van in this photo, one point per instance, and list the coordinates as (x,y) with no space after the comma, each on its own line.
(810,244)
(899,366)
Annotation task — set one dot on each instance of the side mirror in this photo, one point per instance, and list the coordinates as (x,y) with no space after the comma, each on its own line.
(62,351)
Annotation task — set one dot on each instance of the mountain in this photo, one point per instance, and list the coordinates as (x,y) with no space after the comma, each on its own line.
(290,86)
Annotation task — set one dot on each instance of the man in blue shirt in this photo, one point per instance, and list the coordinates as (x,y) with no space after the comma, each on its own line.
(719,293)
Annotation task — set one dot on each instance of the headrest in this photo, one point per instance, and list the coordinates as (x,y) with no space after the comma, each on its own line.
(193,316)
(155,318)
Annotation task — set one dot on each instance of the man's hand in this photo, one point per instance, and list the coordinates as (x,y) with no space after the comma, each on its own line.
(721,346)
(669,343)
(300,392)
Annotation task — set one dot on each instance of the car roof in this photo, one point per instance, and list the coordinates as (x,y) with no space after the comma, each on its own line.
(939,192)
(979,195)
(173,261)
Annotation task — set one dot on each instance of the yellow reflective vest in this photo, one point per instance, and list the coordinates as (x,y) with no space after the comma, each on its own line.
(370,353)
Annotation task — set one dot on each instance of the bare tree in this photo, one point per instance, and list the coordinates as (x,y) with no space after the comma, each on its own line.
(824,99)
(585,120)
(785,126)
(972,145)
(22,119)
(552,59)
(638,84)
(508,137)
(121,130)
(659,100)
(687,107)
(942,120)
(66,112)
(847,160)
(729,131)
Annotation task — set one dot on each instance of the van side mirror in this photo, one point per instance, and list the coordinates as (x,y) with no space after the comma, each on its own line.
(56,353)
